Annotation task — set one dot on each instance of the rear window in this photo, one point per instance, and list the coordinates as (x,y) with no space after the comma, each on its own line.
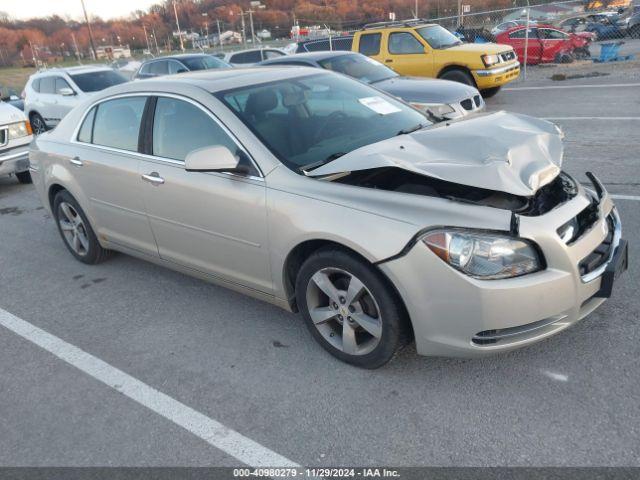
(36,85)
(370,44)
(47,85)
(204,63)
(96,81)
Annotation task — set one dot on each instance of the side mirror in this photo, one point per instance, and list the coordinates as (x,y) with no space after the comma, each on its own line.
(66,92)
(214,158)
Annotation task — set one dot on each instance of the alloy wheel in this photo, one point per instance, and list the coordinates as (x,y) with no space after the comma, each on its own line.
(344,311)
(73,228)
(37,125)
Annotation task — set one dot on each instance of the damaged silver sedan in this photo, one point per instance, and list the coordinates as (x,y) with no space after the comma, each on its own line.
(323,195)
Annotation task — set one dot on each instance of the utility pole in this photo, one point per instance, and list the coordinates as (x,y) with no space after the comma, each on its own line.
(244,34)
(417,16)
(155,40)
(175,12)
(219,34)
(86,17)
(253,36)
(75,44)
(146,37)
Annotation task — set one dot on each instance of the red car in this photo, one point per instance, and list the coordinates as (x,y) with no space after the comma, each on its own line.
(547,44)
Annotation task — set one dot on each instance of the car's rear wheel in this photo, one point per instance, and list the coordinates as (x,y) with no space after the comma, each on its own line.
(459,76)
(37,123)
(76,231)
(490,92)
(350,309)
(24,177)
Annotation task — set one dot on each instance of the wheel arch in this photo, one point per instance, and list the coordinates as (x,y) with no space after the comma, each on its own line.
(454,67)
(305,249)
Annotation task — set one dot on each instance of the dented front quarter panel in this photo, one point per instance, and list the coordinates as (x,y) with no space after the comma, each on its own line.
(505,152)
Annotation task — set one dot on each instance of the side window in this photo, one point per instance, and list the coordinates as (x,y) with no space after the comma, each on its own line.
(370,44)
(246,57)
(180,127)
(404,43)
(36,85)
(48,85)
(145,69)
(552,34)
(159,68)
(61,83)
(522,32)
(271,54)
(176,67)
(117,123)
(86,130)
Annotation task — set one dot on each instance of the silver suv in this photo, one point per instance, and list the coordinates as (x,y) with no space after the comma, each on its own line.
(51,94)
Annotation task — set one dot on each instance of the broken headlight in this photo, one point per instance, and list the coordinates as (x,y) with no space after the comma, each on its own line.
(436,109)
(486,256)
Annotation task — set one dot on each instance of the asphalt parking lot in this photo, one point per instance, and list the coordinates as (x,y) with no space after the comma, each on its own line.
(200,352)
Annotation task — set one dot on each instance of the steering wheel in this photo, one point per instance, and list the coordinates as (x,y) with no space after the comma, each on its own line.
(332,117)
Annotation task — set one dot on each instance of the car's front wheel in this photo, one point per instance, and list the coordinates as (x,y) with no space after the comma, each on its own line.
(490,92)
(460,76)
(76,231)
(350,308)
(37,123)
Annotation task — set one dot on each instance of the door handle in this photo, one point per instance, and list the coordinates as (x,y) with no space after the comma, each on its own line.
(388,60)
(76,161)
(153,178)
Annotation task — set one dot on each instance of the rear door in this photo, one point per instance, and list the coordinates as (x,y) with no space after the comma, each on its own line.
(518,39)
(215,223)
(105,164)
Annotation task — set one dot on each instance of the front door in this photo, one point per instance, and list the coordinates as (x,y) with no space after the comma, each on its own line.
(214,223)
(407,55)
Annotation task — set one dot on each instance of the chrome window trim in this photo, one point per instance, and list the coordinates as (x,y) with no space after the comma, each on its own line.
(5,129)
(76,131)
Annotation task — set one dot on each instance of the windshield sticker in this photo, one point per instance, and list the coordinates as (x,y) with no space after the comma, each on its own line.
(379,105)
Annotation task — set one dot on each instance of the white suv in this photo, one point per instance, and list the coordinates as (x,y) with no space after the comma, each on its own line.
(50,94)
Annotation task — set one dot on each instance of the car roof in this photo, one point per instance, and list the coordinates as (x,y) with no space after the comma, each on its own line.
(220,79)
(312,56)
(73,70)
(181,56)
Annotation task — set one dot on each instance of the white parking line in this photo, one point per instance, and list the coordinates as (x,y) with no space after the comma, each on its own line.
(549,87)
(625,197)
(229,441)
(590,118)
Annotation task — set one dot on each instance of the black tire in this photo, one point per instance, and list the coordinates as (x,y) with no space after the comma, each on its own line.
(24,177)
(95,253)
(459,76)
(37,123)
(395,327)
(489,92)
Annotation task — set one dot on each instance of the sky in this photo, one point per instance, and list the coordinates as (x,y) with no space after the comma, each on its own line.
(106,9)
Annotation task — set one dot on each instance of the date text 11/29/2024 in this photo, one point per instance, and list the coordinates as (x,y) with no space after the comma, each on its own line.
(291,472)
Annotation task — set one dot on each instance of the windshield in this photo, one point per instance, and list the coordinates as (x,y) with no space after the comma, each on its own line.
(363,68)
(438,37)
(308,121)
(204,63)
(95,81)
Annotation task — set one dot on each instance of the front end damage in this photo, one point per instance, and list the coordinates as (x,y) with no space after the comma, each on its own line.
(576,231)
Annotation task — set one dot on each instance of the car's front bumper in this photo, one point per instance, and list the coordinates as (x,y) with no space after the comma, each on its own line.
(455,315)
(496,76)
(14,160)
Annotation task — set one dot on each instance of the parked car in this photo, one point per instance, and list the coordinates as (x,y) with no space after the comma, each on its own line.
(632,25)
(416,48)
(504,26)
(178,64)
(320,194)
(545,44)
(341,43)
(15,136)
(10,96)
(440,99)
(50,94)
(253,56)
(605,26)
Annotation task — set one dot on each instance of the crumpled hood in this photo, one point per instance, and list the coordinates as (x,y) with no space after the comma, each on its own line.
(505,152)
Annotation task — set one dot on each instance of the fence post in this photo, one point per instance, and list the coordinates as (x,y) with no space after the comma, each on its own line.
(526,43)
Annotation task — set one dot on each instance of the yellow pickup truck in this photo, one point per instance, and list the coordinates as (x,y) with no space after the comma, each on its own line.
(417,48)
